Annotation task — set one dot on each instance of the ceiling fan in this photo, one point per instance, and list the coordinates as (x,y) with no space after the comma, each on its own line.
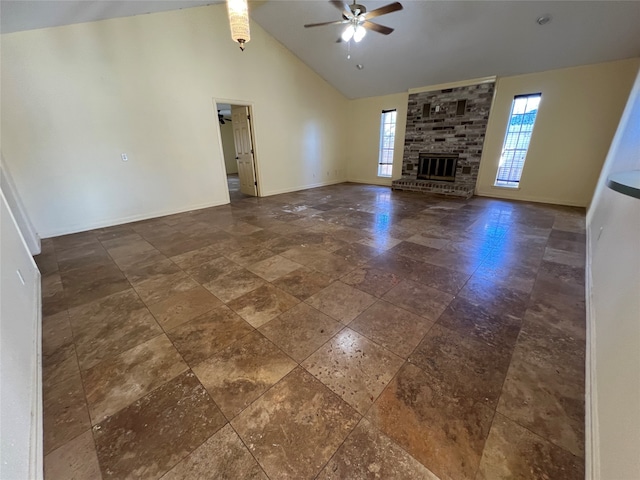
(358,20)
(221,118)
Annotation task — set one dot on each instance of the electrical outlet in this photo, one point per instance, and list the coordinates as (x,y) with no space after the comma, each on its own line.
(124,157)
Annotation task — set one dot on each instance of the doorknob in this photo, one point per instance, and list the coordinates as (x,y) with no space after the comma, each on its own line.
(237,158)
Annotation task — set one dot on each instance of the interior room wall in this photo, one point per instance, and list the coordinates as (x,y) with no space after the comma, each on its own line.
(364,137)
(613,272)
(228,147)
(20,346)
(15,203)
(576,121)
(75,97)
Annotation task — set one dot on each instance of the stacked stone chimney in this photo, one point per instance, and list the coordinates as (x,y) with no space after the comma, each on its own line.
(449,121)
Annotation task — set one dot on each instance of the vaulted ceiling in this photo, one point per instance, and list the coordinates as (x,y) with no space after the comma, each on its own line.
(433,42)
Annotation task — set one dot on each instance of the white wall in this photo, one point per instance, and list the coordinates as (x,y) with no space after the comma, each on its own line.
(20,371)
(613,272)
(75,97)
(577,118)
(364,137)
(228,147)
(15,204)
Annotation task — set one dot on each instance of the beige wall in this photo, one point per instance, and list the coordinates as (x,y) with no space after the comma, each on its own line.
(75,97)
(364,137)
(228,147)
(577,118)
(613,307)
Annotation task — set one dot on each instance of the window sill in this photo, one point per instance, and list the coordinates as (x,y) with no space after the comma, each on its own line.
(505,187)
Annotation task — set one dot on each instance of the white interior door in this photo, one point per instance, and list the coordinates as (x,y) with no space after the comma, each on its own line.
(244,149)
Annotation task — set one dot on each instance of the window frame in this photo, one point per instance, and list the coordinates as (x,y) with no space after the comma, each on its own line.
(386,152)
(513,137)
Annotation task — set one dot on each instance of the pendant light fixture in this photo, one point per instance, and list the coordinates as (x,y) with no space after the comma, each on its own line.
(239,21)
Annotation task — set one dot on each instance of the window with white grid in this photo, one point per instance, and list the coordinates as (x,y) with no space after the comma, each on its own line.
(516,142)
(387,140)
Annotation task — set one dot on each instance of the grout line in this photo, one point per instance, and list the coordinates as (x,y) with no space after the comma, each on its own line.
(276,207)
(548,440)
(248,450)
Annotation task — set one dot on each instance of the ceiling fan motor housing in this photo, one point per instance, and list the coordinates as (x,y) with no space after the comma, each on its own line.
(357,9)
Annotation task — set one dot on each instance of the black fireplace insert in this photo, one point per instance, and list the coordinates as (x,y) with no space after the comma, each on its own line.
(437,166)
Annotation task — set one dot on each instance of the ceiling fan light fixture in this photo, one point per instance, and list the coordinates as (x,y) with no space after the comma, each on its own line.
(356,20)
(348,33)
(238,11)
(359,33)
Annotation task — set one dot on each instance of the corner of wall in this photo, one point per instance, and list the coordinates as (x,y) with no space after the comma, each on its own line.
(592,440)
(20,365)
(362,144)
(605,211)
(10,192)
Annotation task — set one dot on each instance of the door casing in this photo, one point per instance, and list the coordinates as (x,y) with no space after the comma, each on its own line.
(250,106)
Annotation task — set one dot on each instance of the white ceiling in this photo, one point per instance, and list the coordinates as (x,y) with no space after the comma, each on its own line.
(18,15)
(434,42)
(446,41)
(224,109)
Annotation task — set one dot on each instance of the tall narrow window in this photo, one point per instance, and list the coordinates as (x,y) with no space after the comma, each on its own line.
(387,140)
(516,142)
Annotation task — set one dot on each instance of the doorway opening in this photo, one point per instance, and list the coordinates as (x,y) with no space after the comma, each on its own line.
(236,134)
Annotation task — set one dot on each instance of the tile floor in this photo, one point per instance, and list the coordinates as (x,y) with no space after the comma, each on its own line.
(233,183)
(345,332)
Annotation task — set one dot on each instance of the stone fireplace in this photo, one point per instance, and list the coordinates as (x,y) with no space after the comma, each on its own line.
(443,140)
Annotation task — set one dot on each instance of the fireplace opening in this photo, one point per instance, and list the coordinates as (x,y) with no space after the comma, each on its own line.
(434,166)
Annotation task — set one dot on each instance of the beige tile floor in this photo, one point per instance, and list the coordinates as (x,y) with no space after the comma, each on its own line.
(345,332)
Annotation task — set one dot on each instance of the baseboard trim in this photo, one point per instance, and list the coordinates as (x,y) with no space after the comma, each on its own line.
(129,219)
(527,198)
(303,187)
(592,440)
(36,460)
(382,183)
